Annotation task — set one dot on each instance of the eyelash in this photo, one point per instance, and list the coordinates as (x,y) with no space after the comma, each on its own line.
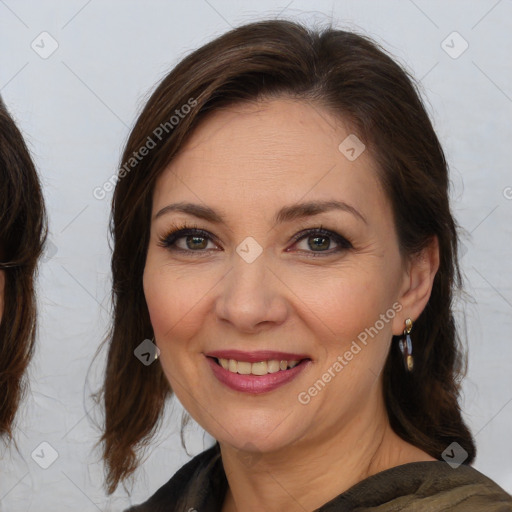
(182,230)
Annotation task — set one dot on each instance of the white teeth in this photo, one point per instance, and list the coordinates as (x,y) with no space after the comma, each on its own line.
(273,366)
(258,368)
(244,368)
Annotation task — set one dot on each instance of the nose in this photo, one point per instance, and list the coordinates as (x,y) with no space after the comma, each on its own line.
(252,297)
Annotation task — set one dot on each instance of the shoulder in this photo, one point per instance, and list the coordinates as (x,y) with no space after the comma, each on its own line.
(464,489)
(186,482)
(425,486)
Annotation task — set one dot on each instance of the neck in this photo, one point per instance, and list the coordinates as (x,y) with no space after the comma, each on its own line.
(310,472)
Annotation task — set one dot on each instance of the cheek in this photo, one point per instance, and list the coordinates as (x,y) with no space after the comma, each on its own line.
(175,298)
(347,312)
(344,301)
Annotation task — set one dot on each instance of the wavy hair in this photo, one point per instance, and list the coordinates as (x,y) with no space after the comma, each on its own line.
(23,231)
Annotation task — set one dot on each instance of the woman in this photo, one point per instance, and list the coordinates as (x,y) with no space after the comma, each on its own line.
(329,380)
(22,235)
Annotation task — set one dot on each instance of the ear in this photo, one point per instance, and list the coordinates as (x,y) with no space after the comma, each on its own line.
(418,279)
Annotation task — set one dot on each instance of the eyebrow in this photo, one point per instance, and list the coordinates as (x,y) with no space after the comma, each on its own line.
(285,214)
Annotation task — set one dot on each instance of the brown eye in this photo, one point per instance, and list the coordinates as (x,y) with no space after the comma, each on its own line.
(320,241)
(196,240)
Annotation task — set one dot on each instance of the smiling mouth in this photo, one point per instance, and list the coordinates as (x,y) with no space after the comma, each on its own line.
(257,368)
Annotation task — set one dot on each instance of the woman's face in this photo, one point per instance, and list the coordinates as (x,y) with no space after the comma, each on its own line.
(244,289)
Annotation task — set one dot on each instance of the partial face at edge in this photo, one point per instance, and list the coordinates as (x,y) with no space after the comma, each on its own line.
(311,296)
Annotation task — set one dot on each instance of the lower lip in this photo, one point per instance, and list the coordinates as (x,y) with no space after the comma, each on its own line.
(255,384)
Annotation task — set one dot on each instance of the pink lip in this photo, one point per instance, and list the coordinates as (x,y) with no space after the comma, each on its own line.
(255,356)
(255,384)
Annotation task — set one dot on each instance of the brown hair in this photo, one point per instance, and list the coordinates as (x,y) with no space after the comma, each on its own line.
(350,76)
(22,236)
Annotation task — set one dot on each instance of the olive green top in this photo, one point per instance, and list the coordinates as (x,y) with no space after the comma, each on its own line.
(200,486)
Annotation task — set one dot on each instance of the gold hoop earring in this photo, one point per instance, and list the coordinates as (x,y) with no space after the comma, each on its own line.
(405,345)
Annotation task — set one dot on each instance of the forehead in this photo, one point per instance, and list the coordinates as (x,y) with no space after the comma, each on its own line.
(274,150)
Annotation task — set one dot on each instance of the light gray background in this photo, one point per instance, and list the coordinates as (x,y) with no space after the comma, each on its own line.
(75,109)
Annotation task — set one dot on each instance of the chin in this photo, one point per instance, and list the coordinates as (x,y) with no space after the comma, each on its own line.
(258,434)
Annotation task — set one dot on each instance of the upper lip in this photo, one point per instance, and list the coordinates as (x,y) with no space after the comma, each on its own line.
(256,355)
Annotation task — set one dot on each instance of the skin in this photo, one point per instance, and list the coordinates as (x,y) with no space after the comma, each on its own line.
(246,162)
